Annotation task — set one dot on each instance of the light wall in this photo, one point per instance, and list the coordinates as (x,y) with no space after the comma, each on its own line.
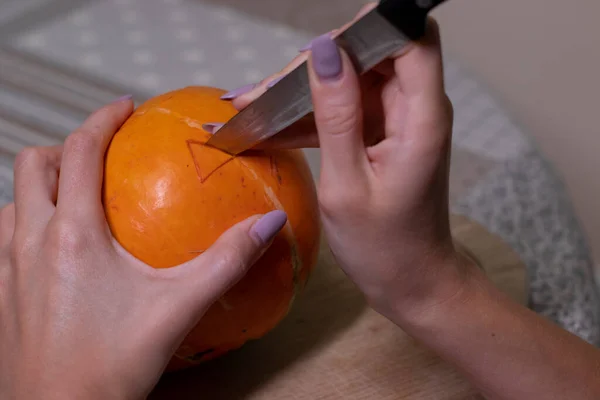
(542,58)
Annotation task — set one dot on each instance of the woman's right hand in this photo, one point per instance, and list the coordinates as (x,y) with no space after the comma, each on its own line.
(385,143)
(385,146)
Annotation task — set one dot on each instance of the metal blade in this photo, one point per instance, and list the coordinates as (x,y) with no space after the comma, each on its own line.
(368,41)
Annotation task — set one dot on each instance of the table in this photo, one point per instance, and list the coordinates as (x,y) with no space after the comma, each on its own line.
(333,346)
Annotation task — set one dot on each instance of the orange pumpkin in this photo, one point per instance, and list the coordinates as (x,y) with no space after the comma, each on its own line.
(168,197)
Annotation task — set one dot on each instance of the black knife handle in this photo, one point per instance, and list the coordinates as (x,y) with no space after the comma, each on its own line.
(409,16)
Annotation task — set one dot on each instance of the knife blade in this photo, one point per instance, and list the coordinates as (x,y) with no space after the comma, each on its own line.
(385,30)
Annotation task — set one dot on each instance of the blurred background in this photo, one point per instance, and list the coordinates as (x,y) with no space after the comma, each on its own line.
(516,70)
(541,59)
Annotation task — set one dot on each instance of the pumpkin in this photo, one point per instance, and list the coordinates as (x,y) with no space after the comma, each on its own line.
(167,197)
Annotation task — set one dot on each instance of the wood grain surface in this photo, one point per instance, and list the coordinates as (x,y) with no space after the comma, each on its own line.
(333,346)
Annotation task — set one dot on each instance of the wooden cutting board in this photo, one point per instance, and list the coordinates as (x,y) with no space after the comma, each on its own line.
(332,346)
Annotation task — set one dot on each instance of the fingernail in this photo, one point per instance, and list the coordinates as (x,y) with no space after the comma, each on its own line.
(326,59)
(308,46)
(269,225)
(238,92)
(126,97)
(274,82)
(212,127)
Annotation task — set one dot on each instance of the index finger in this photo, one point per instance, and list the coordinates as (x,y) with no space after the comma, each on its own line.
(420,67)
(82,167)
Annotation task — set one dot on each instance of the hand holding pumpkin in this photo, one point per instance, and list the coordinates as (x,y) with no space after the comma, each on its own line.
(81,317)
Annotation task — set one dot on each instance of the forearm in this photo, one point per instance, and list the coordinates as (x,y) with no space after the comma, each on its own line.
(506,350)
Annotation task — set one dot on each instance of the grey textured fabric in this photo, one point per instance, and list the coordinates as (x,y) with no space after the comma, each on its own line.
(525,204)
(59,62)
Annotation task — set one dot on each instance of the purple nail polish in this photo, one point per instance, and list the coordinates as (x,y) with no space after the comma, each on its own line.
(126,97)
(212,127)
(308,46)
(238,92)
(269,225)
(274,82)
(326,59)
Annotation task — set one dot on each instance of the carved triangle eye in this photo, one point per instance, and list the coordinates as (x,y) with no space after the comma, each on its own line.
(207,160)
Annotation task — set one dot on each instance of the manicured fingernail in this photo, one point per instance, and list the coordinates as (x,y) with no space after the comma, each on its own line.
(308,46)
(269,225)
(238,92)
(212,127)
(326,59)
(126,97)
(274,82)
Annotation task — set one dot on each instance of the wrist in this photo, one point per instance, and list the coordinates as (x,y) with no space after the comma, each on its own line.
(445,284)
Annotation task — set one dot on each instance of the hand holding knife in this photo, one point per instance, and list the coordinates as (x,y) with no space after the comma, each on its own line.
(385,30)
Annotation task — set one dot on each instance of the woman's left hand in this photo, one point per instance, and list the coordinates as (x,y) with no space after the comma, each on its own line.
(81,317)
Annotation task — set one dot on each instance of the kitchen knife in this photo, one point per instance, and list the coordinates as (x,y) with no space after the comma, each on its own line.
(382,32)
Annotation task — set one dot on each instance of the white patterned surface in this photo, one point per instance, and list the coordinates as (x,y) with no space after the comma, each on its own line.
(10,9)
(160,45)
(478,124)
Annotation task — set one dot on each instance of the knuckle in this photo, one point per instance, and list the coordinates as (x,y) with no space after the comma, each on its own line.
(341,117)
(22,246)
(233,259)
(437,129)
(66,236)
(341,201)
(27,156)
(101,118)
(81,141)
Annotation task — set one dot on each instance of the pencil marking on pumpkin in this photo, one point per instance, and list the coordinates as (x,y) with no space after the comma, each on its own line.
(196,125)
(275,169)
(199,356)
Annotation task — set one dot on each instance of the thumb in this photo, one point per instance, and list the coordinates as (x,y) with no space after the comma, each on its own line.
(338,113)
(204,279)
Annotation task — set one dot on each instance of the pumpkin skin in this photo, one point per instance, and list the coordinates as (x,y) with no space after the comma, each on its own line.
(167,198)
